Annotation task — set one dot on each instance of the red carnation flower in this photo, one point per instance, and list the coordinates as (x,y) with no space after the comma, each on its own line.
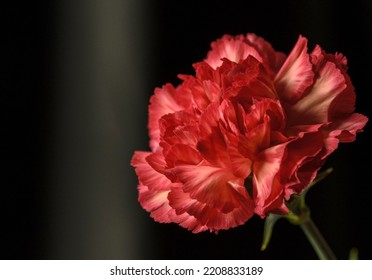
(248,130)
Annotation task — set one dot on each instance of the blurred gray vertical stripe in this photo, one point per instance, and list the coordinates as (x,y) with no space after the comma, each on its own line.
(98,109)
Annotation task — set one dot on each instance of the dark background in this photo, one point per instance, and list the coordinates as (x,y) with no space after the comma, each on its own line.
(78,75)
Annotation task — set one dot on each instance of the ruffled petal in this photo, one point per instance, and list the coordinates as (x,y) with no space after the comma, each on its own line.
(212,143)
(153,186)
(231,48)
(156,202)
(265,188)
(163,102)
(296,166)
(207,215)
(246,81)
(212,186)
(273,58)
(346,130)
(178,128)
(241,165)
(190,222)
(314,107)
(296,75)
(182,154)
(146,173)
(205,87)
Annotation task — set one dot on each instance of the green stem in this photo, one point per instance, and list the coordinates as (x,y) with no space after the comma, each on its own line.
(317,240)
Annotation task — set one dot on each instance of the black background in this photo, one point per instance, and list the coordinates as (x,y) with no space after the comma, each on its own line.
(179,34)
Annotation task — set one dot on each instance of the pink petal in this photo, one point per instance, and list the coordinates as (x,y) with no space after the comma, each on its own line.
(344,103)
(240,164)
(296,74)
(205,87)
(304,158)
(308,145)
(235,126)
(314,107)
(178,128)
(212,144)
(153,197)
(210,120)
(346,130)
(266,108)
(299,130)
(156,202)
(205,93)
(190,222)
(255,140)
(275,203)
(212,186)
(208,216)
(165,100)
(265,170)
(153,186)
(182,154)
(232,48)
(147,175)
(263,117)
(247,80)
(233,117)
(213,148)
(269,55)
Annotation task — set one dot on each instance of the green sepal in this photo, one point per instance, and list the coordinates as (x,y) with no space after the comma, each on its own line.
(298,211)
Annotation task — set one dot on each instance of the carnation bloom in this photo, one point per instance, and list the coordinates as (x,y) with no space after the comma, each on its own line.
(250,128)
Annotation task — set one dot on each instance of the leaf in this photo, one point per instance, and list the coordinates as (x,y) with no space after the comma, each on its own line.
(354,254)
(268,229)
(319,177)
